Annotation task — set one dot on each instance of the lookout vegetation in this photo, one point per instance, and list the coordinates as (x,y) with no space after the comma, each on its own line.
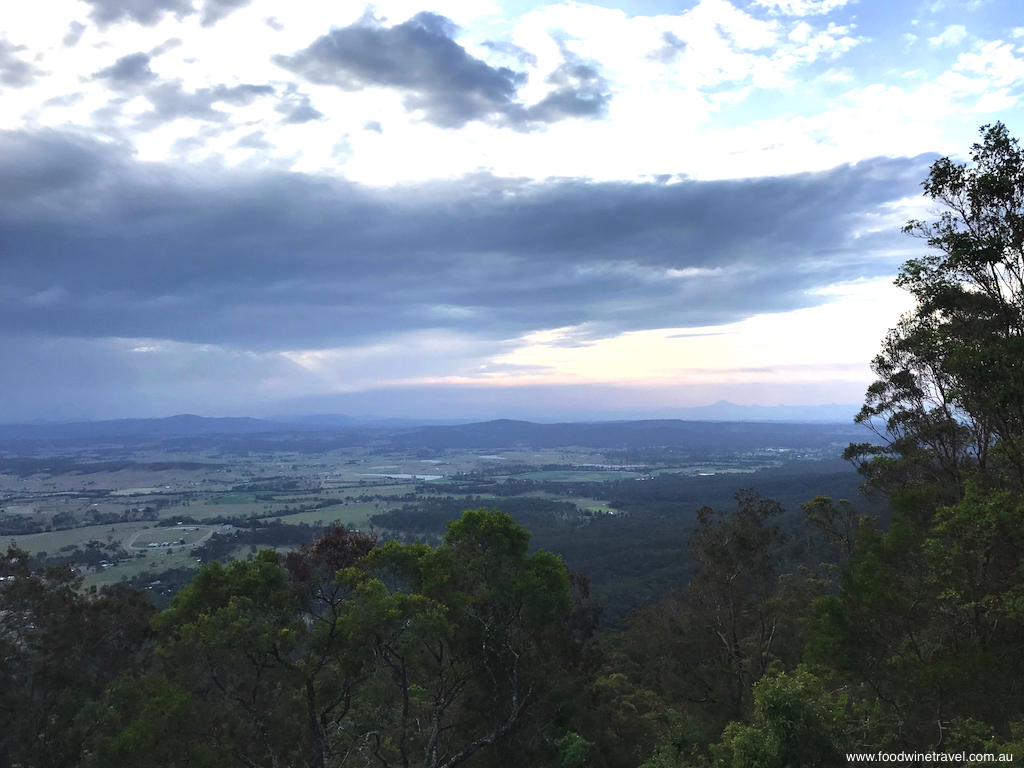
(864,635)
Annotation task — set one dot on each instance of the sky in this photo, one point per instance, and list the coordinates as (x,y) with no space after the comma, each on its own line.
(471,208)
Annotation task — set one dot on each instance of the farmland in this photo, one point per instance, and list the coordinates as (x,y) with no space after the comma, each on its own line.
(137,509)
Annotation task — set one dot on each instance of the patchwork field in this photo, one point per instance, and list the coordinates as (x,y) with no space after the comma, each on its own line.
(113,512)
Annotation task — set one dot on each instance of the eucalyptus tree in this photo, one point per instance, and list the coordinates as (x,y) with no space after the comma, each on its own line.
(949,398)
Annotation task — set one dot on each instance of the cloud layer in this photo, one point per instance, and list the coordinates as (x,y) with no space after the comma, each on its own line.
(98,244)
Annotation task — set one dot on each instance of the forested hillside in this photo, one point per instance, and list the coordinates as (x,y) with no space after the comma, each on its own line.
(775,643)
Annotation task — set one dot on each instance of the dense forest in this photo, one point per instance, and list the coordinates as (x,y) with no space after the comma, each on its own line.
(773,645)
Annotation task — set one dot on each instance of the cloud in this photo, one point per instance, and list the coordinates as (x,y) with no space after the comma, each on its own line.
(994,64)
(169,101)
(440,79)
(75,31)
(297,107)
(256,140)
(951,36)
(65,100)
(419,58)
(514,52)
(145,12)
(672,49)
(803,7)
(15,71)
(275,260)
(149,13)
(130,70)
(580,91)
(167,45)
(215,10)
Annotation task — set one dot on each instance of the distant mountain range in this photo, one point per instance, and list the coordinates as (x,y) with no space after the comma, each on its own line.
(720,424)
(723,410)
(709,435)
(185,424)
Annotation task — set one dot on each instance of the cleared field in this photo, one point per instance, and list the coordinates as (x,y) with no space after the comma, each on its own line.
(53,541)
(190,534)
(234,499)
(153,562)
(598,507)
(200,511)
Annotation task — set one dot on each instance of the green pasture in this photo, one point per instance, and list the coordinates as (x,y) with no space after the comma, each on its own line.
(200,511)
(53,541)
(161,535)
(234,499)
(153,562)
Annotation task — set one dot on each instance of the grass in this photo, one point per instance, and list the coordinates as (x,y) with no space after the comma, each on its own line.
(160,535)
(235,498)
(200,511)
(53,541)
(153,562)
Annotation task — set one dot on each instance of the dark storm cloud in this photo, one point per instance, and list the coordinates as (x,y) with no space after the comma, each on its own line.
(99,245)
(438,77)
(14,70)
(129,70)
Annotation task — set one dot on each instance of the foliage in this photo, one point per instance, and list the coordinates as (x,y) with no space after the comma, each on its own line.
(795,723)
(59,648)
(950,389)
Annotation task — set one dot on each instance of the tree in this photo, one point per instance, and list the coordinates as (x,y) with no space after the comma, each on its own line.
(929,618)
(735,579)
(467,665)
(279,653)
(231,638)
(149,723)
(949,399)
(354,655)
(60,646)
(795,723)
(704,648)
